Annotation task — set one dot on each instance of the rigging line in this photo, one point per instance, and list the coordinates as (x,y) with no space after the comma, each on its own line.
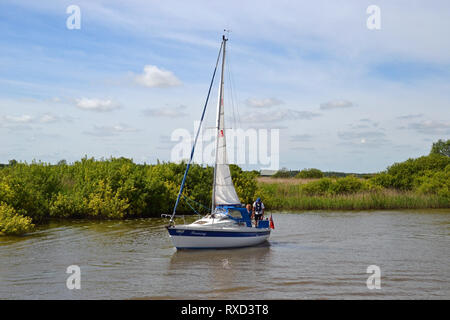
(230,92)
(196,136)
(237,99)
(233,84)
(233,93)
(185,198)
(196,202)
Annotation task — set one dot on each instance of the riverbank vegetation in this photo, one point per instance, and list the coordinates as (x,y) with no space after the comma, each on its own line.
(423,182)
(117,188)
(104,189)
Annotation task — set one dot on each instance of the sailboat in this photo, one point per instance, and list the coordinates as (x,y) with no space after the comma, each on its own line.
(228,225)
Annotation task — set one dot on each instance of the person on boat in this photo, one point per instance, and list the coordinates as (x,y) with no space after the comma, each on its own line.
(258,210)
(249,210)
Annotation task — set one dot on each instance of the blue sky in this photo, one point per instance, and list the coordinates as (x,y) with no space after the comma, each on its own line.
(344,97)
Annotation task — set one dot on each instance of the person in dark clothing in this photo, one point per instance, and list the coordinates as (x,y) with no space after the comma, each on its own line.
(258,210)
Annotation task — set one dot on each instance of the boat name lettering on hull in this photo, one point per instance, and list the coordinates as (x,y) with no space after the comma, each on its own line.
(198,233)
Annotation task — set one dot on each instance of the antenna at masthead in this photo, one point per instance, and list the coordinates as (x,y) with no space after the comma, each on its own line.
(225,31)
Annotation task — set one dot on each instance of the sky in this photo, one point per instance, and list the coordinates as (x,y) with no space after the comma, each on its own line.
(343,97)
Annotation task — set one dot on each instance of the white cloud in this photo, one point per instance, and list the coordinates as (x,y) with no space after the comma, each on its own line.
(47,118)
(154,77)
(365,123)
(175,112)
(97,104)
(19,119)
(431,127)
(286,114)
(52,118)
(336,104)
(263,103)
(28,121)
(410,116)
(350,135)
(106,131)
(363,138)
(301,137)
(303,148)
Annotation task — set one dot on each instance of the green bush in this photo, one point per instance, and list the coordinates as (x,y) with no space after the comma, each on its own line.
(111,188)
(310,174)
(347,185)
(318,187)
(382,179)
(245,183)
(12,223)
(324,186)
(441,147)
(283,173)
(404,173)
(434,183)
(65,206)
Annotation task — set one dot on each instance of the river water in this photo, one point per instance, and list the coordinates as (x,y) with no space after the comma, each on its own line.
(310,255)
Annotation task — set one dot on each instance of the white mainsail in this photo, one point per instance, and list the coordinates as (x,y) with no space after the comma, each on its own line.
(223,188)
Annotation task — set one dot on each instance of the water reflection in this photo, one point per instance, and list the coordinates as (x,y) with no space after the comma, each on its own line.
(219,273)
(222,258)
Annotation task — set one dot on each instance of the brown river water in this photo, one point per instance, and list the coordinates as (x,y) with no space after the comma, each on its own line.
(310,255)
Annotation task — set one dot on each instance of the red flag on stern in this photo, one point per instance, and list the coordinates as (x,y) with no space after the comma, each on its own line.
(272,226)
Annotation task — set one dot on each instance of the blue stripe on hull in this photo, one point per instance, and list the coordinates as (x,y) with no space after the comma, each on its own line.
(208,233)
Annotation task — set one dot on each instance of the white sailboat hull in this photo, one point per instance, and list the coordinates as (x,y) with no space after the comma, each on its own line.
(188,238)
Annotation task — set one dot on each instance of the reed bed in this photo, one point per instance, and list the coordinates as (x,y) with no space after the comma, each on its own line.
(289,196)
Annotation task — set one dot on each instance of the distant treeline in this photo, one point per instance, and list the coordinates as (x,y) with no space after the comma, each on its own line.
(316,173)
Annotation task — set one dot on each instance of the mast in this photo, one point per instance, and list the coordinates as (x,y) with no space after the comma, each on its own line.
(219,115)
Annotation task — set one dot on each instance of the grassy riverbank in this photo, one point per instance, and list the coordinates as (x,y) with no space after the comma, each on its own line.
(413,184)
(283,196)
